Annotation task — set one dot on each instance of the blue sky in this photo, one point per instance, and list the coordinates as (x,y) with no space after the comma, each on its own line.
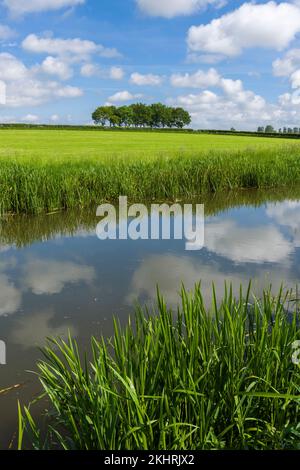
(228,63)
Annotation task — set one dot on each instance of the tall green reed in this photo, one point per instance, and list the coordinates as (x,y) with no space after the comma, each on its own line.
(202,378)
(31,186)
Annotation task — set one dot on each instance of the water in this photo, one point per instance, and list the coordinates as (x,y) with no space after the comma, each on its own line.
(56,276)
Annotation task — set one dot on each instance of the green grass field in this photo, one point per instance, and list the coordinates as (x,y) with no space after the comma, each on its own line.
(58,144)
(47,170)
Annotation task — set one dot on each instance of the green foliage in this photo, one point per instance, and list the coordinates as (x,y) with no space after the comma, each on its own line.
(32,185)
(204,378)
(269,129)
(140,115)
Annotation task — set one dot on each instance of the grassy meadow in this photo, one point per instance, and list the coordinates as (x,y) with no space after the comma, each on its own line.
(43,170)
(219,377)
(61,144)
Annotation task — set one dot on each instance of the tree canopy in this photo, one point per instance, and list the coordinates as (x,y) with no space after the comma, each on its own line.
(141,115)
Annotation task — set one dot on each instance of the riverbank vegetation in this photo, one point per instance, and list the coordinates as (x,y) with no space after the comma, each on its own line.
(219,377)
(42,171)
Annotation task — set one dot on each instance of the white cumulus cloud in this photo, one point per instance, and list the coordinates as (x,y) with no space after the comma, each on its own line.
(234,106)
(121,96)
(77,47)
(144,80)
(286,65)
(6,32)
(18,8)
(234,103)
(172,8)
(295,79)
(25,88)
(57,67)
(116,73)
(200,79)
(30,118)
(12,68)
(268,25)
(54,117)
(89,70)
(289,66)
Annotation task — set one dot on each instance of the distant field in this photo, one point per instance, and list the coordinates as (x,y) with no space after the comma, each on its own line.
(44,171)
(57,143)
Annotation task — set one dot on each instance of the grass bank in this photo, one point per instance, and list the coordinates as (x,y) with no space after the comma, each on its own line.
(37,184)
(201,378)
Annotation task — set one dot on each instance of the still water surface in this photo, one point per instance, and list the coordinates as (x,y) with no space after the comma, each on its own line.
(56,276)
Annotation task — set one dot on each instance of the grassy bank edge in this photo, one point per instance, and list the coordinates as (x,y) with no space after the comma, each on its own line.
(32,186)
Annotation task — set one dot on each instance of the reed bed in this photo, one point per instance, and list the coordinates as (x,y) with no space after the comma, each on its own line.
(33,186)
(219,377)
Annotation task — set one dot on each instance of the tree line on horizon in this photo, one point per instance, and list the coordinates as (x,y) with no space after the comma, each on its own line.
(156,115)
(283,130)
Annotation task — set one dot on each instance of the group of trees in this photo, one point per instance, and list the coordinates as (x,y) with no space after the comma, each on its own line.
(285,130)
(156,115)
